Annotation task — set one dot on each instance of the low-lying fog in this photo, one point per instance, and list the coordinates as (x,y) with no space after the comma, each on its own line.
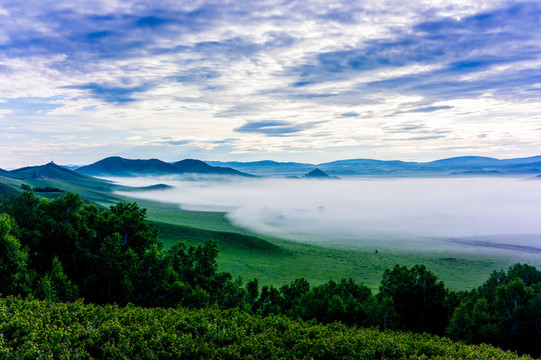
(422,213)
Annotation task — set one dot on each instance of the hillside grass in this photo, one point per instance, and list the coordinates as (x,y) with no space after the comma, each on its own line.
(278,261)
(31,329)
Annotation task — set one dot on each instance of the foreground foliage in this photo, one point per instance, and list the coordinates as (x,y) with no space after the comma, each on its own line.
(63,250)
(31,329)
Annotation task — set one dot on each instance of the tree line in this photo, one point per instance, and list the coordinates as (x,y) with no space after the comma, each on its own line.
(64,249)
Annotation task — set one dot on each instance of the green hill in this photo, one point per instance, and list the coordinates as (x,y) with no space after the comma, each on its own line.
(54,176)
(6,190)
(52,171)
(200,167)
(4,173)
(117,166)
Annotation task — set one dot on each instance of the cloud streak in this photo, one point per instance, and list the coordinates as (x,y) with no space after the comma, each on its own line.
(273,127)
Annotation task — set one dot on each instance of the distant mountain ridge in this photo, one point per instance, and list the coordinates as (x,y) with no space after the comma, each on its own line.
(456,166)
(118,166)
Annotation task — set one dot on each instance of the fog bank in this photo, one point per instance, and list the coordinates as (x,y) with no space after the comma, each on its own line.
(363,211)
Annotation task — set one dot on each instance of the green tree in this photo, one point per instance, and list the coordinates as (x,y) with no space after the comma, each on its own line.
(418,296)
(252,293)
(14,275)
(55,286)
(344,301)
(292,294)
(505,311)
(269,301)
(129,221)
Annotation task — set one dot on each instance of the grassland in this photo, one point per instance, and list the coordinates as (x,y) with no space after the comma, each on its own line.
(271,260)
(277,261)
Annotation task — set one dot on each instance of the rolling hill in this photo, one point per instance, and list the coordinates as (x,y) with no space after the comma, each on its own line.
(318,174)
(51,171)
(54,176)
(456,166)
(4,173)
(267,167)
(117,166)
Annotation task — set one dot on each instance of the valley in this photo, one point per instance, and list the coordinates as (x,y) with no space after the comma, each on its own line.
(273,257)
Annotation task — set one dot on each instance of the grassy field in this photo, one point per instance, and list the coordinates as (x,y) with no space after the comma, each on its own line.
(271,260)
(277,261)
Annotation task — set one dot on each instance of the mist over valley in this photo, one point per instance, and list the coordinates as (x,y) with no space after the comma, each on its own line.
(417,214)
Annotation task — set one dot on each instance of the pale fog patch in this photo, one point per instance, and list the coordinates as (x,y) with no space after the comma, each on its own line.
(419,214)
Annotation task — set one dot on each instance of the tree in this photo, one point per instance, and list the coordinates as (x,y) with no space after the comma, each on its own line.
(345,301)
(55,285)
(129,221)
(293,294)
(418,296)
(269,301)
(14,275)
(504,311)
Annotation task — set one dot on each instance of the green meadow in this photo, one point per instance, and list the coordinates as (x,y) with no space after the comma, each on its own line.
(278,261)
(269,259)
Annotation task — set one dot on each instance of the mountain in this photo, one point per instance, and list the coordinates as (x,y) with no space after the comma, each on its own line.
(369,167)
(51,173)
(117,166)
(267,167)
(456,166)
(51,176)
(200,167)
(465,161)
(527,160)
(318,174)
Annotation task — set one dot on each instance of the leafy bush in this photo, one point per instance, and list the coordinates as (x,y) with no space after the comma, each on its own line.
(31,329)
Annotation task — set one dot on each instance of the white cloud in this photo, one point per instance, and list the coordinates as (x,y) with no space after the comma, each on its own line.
(205,79)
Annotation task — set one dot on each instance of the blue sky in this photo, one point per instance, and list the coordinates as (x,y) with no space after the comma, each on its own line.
(309,81)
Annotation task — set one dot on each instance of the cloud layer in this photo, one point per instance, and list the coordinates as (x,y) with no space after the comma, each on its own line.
(400,213)
(310,81)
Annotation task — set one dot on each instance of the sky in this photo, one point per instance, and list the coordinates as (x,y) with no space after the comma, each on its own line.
(311,81)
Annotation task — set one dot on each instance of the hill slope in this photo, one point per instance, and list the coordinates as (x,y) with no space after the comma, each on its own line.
(464,165)
(267,167)
(318,174)
(117,166)
(4,173)
(200,167)
(55,176)
(56,172)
